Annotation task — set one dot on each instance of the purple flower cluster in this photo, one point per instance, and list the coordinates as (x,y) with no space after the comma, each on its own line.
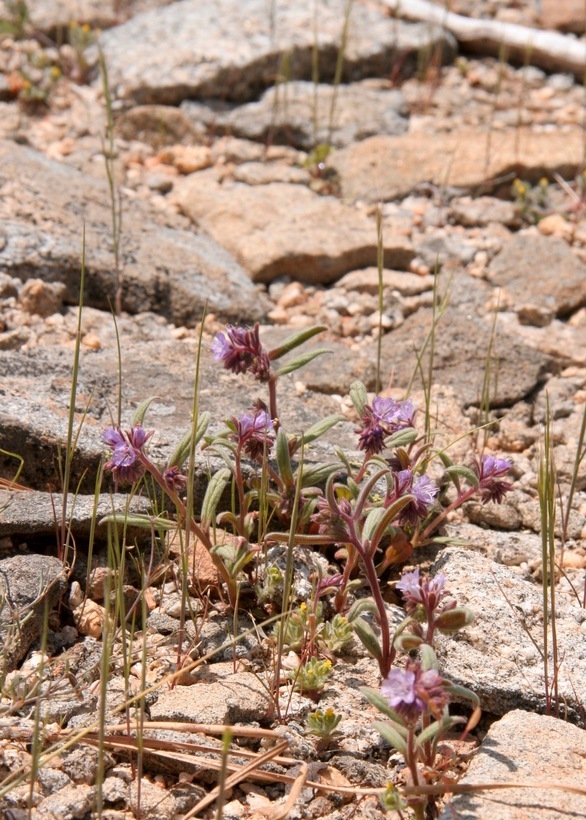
(329,522)
(490,470)
(422,488)
(412,691)
(254,432)
(240,350)
(124,464)
(381,419)
(425,592)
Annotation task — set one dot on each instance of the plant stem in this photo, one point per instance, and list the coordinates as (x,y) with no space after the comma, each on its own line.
(193,525)
(439,518)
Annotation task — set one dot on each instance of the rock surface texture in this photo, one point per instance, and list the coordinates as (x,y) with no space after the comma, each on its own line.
(281,165)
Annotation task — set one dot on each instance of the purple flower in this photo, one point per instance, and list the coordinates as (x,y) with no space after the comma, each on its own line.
(425,592)
(490,470)
(372,436)
(113,437)
(240,350)
(254,432)
(175,479)
(411,691)
(124,463)
(410,586)
(382,419)
(423,491)
(384,409)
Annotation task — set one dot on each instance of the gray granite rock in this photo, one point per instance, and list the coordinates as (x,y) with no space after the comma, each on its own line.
(524,270)
(482,210)
(36,390)
(495,656)
(230,50)
(387,167)
(37,514)
(48,16)
(30,585)
(543,753)
(508,548)
(239,697)
(303,114)
(157,125)
(462,342)
(170,271)
(287,230)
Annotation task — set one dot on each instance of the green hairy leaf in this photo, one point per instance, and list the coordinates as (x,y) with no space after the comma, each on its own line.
(466,473)
(184,447)
(138,520)
(359,397)
(317,430)
(295,340)
(393,737)
(215,488)
(140,411)
(283,458)
(301,361)
(367,637)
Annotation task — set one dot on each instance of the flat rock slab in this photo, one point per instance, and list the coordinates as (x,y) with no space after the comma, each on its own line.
(29,584)
(494,656)
(232,50)
(36,513)
(48,16)
(541,277)
(390,167)
(237,698)
(462,343)
(172,272)
(36,389)
(303,114)
(287,230)
(508,548)
(525,748)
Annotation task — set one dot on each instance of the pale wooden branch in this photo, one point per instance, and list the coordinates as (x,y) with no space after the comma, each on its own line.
(546,49)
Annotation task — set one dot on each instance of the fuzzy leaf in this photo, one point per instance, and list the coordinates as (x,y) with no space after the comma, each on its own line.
(389,515)
(367,637)
(301,540)
(214,490)
(295,340)
(437,727)
(343,457)
(359,397)
(394,738)
(462,692)
(283,458)
(318,473)
(373,519)
(428,658)
(401,438)
(361,605)
(455,471)
(184,447)
(317,430)
(140,411)
(301,361)
(138,520)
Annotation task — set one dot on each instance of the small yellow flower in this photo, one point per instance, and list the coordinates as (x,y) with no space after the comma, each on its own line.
(303,607)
